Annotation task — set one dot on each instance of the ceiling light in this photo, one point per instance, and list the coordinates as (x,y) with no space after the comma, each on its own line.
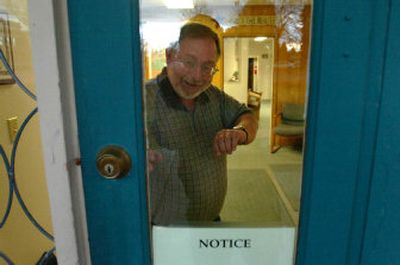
(259,39)
(179,4)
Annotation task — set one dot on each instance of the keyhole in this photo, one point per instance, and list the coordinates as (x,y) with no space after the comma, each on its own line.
(113,162)
(109,169)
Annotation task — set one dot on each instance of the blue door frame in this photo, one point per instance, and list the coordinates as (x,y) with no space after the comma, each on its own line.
(349,210)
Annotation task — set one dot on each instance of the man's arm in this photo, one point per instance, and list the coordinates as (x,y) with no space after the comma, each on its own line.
(249,123)
(244,132)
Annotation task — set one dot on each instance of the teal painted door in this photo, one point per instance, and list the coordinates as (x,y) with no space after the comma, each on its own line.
(349,207)
(108,86)
(350,210)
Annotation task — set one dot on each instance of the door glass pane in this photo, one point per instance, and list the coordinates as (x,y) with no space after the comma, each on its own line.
(25,221)
(214,72)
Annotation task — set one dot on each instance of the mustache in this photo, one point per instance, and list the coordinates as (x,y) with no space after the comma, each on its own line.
(194,82)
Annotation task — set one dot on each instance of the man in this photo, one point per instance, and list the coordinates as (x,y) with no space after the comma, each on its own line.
(191,127)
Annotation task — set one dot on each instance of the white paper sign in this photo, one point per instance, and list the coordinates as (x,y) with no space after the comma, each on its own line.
(223,245)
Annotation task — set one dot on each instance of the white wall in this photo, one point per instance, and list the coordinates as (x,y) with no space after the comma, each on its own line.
(236,54)
(264,52)
(237,89)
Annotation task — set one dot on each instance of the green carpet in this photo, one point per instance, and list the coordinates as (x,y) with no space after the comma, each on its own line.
(289,178)
(252,198)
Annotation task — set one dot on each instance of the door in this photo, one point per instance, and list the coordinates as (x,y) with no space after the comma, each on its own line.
(107,65)
(349,165)
(343,182)
(251,73)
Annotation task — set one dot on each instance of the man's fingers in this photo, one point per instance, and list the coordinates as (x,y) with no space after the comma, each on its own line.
(226,142)
(216,144)
(154,156)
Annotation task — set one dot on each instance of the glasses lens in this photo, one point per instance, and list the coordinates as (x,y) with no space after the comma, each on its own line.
(191,65)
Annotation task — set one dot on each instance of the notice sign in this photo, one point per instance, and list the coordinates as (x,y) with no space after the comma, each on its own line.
(223,245)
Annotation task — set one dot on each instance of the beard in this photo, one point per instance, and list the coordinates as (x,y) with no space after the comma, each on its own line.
(187,89)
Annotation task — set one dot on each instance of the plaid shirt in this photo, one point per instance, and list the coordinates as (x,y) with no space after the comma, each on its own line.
(190,182)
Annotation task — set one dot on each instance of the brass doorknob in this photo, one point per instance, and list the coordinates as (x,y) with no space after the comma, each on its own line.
(113,162)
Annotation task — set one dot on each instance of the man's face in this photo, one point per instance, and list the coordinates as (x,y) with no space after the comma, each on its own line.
(191,68)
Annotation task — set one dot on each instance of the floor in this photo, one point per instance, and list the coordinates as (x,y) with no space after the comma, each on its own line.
(263,188)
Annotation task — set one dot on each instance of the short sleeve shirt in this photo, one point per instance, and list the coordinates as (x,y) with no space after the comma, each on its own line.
(190,182)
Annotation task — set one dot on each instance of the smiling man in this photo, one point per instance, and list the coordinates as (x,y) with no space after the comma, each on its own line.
(191,127)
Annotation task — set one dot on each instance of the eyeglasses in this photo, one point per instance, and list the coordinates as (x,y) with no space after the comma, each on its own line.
(205,69)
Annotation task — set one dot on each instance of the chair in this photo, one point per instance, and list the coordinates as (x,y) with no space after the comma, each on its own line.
(291,121)
(254,102)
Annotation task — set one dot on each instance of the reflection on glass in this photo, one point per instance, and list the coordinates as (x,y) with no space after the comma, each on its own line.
(262,68)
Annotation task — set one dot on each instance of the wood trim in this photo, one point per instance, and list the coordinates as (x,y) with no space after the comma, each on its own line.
(290,68)
(56,102)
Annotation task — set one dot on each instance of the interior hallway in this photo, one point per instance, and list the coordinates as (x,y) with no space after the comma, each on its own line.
(263,188)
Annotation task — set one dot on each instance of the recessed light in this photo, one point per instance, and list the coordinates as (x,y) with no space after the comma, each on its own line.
(179,4)
(259,39)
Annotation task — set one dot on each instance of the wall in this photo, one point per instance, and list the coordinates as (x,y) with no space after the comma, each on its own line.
(20,240)
(290,67)
(239,51)
(264,52)
(290,81)
(236,54)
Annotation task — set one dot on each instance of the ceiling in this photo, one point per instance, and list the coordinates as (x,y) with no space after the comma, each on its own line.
(160,25)
(155,10)
(158,3)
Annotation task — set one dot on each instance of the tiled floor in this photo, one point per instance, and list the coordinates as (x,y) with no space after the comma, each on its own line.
(263,187)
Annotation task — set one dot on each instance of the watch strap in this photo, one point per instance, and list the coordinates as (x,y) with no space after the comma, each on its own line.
(242,128)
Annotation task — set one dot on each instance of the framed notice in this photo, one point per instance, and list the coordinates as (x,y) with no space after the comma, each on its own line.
(216,245)
(6,49)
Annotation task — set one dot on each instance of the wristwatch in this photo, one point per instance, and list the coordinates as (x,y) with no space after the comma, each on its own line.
(242,128)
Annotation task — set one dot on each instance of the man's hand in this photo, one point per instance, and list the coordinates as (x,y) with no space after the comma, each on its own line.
(153,157)
(226,141)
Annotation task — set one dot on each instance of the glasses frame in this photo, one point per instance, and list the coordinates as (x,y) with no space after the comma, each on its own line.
(191,65)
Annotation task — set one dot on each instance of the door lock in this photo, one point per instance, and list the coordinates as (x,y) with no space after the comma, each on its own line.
(113,162)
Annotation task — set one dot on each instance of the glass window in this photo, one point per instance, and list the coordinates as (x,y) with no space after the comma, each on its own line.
(225,94)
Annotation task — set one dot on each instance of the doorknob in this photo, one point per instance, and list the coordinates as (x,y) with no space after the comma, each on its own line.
(113,162)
